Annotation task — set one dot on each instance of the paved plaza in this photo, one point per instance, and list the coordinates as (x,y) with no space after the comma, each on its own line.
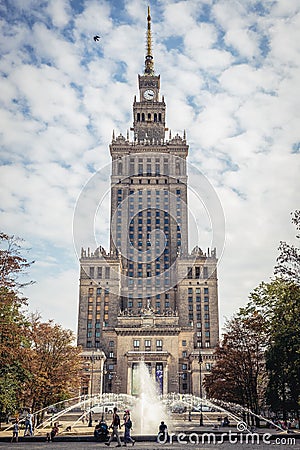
(144,445)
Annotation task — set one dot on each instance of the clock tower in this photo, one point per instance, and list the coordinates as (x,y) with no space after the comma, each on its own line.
(149,112)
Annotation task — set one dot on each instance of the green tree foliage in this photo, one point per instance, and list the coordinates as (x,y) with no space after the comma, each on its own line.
(288,261)
(259,357)
(12,263)
(239,373)
(279,303)
(13,324)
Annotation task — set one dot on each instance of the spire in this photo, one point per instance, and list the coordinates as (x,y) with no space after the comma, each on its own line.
(149,63)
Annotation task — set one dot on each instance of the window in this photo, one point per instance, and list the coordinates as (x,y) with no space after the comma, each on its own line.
(197,272)
(99,272)
(159,345)
(107,272)
(184,354)
(99,291)
(147,344)
(111,354)
(184,343)
(206,291)
(111,343)
(190,272)
(184,367)
(136,344)
(205,272)
(92,271)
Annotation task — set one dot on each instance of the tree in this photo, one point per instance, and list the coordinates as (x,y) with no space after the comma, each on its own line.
(12,263)
(39,365)
(288,261)
(279,303)
(53,363)
(239,373)
(12,322)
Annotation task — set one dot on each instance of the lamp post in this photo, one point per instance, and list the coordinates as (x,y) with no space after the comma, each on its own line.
(90,423)
(200,385)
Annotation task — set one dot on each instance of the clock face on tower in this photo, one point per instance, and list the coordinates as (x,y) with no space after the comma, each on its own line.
(149,94)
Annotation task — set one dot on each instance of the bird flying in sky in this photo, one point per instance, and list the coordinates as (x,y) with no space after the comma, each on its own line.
(96,38)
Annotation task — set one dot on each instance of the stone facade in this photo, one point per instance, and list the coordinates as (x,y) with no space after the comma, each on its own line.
(149,298)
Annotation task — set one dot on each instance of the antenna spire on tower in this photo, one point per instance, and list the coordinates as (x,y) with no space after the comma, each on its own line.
(149,63)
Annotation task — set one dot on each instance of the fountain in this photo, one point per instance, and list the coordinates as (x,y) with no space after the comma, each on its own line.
(148,410)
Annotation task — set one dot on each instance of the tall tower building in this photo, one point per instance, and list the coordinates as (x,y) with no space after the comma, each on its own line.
(149,298)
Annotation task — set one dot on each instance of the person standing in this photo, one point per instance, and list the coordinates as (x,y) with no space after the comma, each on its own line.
(28,424)
(115,425)
(127,427)
(15,431)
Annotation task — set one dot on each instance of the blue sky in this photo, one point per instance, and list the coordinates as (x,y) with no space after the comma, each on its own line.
(230,75)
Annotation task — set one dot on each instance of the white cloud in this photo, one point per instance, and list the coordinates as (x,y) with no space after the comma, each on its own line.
(60,12)
(232,82)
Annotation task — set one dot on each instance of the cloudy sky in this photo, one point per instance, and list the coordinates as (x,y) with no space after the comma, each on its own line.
(230,74)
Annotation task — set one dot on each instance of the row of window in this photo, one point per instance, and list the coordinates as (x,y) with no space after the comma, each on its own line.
(147,344)
(99,290)
(149,192)
(197,290)
(149,181)
(100,272)
(195,272)
(139,304)
(141,117)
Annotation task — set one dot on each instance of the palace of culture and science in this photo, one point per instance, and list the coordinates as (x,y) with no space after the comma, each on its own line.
(148,298)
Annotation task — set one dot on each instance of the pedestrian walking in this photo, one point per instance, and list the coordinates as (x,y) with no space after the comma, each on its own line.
(28,424)
(127,428)
(15,431)
(115,425)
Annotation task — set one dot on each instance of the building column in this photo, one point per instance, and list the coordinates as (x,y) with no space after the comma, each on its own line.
(129,378)
(166,378)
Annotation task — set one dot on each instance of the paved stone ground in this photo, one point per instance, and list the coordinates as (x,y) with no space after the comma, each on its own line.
(81,439)
(144,445)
